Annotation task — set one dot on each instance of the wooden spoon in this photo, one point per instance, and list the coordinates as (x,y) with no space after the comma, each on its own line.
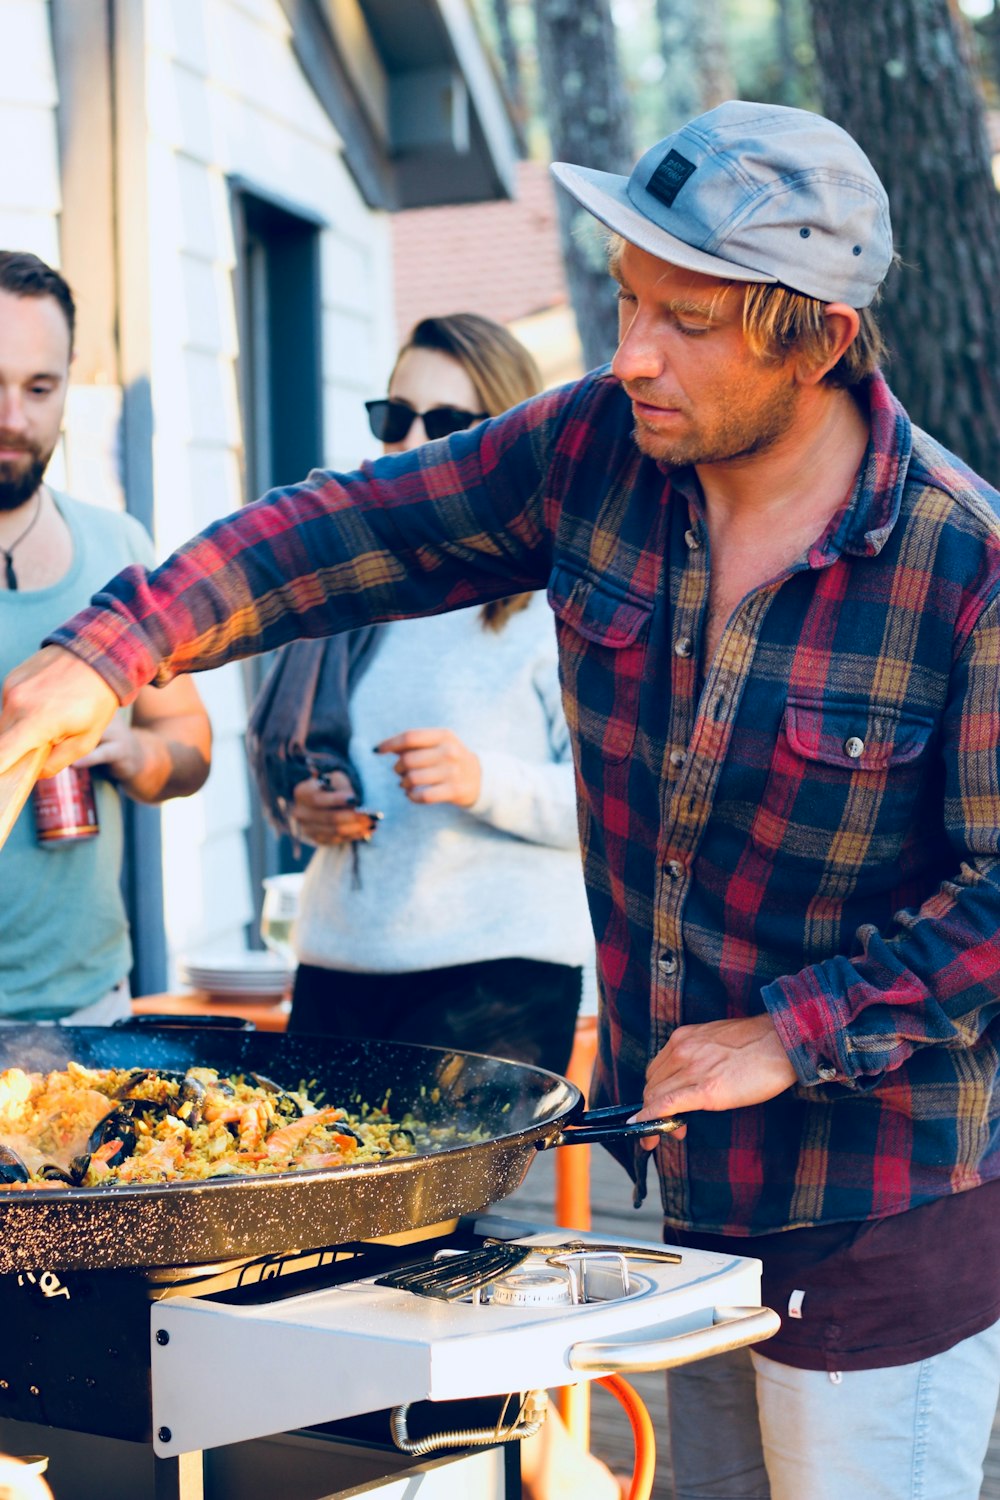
(16,785)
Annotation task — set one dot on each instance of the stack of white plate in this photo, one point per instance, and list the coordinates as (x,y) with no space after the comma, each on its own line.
(244,972)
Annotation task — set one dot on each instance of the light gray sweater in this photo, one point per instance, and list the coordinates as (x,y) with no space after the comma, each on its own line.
(444,885)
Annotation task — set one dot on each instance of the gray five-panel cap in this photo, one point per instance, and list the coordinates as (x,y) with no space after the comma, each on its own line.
(753,192)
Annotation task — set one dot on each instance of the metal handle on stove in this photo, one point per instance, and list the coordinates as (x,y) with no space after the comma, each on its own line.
(608,1124)
(657,1349)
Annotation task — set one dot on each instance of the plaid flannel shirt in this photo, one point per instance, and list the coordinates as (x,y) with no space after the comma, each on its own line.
(812,828)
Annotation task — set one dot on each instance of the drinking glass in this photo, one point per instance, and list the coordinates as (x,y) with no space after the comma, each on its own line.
(277,917)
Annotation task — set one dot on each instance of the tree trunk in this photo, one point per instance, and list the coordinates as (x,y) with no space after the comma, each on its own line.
(697,72)
(989,30)
(718,81)
(787,62)
(509,58)
(894,73)
(589,123)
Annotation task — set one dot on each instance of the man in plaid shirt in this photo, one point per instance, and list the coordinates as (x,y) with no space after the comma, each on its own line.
(777,609)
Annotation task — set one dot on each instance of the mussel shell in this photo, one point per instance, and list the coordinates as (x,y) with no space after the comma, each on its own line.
(115,1126)
(51,1173)
(12,1168)
(286,1104)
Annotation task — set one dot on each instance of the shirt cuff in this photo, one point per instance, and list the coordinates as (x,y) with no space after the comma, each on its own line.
(98,638)
(812,1027)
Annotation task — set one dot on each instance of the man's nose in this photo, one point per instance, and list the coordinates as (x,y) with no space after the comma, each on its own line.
(640,355)
(13,417)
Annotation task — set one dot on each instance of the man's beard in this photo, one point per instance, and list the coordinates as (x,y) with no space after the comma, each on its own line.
(19,479)
(742,431)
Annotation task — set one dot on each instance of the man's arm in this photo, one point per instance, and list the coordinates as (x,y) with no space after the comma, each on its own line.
(932,980)
(166,749)
(458,522)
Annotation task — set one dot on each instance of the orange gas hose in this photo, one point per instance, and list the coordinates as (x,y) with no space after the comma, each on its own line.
(644,1468)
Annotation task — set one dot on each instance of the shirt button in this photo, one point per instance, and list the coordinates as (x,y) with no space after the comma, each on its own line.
(668,962)
(683,646)
(854,747)
(693,540)
(677,758)
(827,1073)
(675,869)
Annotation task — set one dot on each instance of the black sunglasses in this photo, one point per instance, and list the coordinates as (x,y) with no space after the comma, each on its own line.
(391,420)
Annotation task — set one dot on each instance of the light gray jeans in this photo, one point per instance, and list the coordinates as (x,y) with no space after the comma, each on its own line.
(743,1427)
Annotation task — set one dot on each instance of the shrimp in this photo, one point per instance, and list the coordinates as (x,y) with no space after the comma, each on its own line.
(288,1138)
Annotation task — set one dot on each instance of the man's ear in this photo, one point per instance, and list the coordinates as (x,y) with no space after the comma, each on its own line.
(842,323)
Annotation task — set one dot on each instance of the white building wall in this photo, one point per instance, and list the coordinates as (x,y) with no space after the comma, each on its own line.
(225,97)
(30,197)
(29,162)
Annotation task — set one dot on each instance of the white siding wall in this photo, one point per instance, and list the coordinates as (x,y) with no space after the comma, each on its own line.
(29,162)
(225,96)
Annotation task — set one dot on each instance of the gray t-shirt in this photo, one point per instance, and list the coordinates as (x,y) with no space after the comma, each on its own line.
(63,932)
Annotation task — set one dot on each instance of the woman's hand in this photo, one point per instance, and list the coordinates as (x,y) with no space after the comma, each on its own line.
(433,765)
(324,813)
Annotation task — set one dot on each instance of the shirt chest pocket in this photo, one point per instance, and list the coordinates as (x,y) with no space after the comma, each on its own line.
(844,784)
(603,637)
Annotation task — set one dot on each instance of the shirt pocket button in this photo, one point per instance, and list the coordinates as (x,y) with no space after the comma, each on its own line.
(854,747)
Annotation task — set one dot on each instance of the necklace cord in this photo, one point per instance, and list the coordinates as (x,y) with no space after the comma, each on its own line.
(8,552)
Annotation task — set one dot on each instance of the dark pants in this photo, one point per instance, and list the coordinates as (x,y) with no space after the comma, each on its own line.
(517,1008)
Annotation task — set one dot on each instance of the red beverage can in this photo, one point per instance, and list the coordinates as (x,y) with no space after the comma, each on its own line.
(65,807)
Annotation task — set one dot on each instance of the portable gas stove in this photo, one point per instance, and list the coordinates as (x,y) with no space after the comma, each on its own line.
(210,1374)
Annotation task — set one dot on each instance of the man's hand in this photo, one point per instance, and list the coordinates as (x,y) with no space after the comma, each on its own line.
(717,1065)
(120,748)
(53,699)
(324,814)
(165,751)
(433,765)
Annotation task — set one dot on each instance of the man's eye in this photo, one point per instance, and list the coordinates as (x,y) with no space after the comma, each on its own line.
(41,390)
(624,296)
(693,330)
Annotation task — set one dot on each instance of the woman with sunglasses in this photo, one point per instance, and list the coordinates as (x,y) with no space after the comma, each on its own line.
(462,920)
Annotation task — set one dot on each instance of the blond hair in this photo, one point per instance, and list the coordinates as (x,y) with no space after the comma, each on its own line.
(778,322)
(503,374)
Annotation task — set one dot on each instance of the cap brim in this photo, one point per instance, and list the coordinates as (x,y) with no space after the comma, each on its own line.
(605,195)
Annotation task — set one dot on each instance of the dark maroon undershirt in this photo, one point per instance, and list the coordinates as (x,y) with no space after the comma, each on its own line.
(880,1293)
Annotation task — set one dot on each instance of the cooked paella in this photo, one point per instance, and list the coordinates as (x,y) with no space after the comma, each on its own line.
(87,1127)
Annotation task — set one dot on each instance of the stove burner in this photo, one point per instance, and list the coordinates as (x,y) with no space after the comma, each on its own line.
(533,1286)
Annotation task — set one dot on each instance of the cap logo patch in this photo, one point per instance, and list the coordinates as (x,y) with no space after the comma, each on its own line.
(669,177)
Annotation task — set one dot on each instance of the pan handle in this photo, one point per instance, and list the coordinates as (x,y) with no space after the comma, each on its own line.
(609,1124)
(171,1022)
(659,1349)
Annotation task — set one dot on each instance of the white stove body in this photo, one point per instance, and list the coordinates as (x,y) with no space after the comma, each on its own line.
(225,1374)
